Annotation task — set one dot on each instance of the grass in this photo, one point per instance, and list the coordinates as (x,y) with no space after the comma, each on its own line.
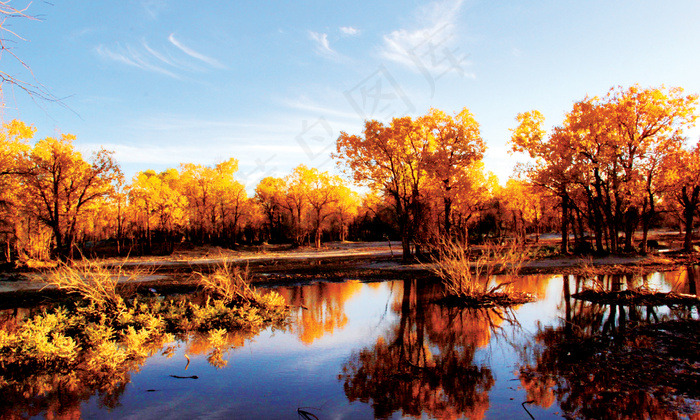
(229,283)
(93,282)
(468,277)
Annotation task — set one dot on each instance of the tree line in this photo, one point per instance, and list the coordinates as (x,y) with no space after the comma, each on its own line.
(615,164)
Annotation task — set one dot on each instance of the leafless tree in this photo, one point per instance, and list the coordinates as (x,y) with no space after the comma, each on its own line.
(7,38)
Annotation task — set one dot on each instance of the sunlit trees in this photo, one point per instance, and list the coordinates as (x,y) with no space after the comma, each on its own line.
(425,166)
(681,182)
(322,191)
(455,144)
(522,205)
(604,161)
(230,201)
(345,209)
(308,198)
(646,124)
(13,147)
(59,184)
(269,195)
(472,195)
(390,158)
(215,199)
(157,203)
(553,167)
(294,201)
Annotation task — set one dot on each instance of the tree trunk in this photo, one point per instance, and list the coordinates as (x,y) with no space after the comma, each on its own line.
(565,225)
(448,216)
(689,202)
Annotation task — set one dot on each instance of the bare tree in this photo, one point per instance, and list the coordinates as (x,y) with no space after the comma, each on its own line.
(9,37)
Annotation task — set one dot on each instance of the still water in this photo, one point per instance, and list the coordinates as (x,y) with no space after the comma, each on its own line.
(357,350)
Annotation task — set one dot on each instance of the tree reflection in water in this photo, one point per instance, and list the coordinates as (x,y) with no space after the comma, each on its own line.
(319,309)
(613,360)
(426,362)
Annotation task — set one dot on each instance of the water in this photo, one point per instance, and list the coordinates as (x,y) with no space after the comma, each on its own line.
(365,350)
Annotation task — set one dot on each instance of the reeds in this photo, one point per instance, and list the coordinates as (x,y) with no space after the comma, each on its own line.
(466,275)
(228,283)
(93,281)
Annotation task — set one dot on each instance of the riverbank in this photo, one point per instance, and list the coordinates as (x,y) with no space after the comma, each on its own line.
(281,265)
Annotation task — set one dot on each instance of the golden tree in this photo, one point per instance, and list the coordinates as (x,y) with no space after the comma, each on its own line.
(230,201)
(269,195)
(13,148)
(207,190)
(681,183)
(157,203)
(455,144)
(59,184)
(322,191)
(604,161)
(391,159)
(345,209)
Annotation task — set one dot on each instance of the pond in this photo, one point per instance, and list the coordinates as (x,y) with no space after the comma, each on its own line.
(387,350)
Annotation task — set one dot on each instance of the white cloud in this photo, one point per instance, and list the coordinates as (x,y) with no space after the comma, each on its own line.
(323,46)
(158,60)
(306,104)
(349,30)
(194,54)
(432,45)
(131,57)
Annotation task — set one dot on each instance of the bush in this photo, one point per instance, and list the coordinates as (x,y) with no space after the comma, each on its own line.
(468,277)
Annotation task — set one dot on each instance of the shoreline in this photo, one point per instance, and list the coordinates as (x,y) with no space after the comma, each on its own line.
(373,261)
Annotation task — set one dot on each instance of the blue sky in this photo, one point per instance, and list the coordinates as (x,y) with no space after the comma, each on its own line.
(273,83)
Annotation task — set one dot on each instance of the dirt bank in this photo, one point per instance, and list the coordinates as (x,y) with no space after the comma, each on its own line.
(280,265)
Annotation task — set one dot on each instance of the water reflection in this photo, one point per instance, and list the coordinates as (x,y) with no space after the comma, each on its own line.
(356,350)
(61,395)
(608,360)
(318,309)
(425,363)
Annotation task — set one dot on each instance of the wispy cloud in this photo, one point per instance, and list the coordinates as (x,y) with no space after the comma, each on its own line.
(194,54)
(349,30)
(127,55)
(323,46)
(434,34)
(306,104)
(161,60)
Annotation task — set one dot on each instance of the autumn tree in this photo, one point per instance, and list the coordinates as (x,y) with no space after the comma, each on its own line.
(295,203)
(345,209)
(681,183)
(158,203)
(392,159)
(553,165)
(455,144)
(214,196)
(604,161)
(59,184)
(269,194)
(230,201)
(322,191)
(13,147)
